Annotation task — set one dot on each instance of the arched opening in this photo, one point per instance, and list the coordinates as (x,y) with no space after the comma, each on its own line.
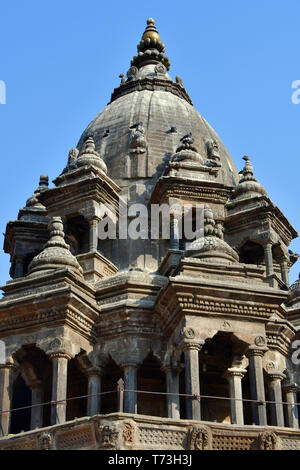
(214,359)
(247,405)
(151,378)
(278,255)
(182,389)
(32,385)
(252,253)
(20,420)
(109,380)
(77,386)
(77,231)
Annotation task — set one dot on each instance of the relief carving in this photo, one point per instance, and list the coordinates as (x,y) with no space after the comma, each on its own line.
(129,433)
(108,436)
(45,441)
(268,441)
(199,438)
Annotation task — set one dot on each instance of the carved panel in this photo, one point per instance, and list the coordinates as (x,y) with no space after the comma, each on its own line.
(21,444)
(167,438)
(75,438)
(289,444)
(233,442)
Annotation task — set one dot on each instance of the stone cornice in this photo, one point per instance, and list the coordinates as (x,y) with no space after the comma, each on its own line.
(252,212)
(279,335)
(98,187)
(168,186)
(215,299)
(30,285)
(151,84)
(58,302)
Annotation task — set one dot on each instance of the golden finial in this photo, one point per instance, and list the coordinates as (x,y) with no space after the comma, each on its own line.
(151,31)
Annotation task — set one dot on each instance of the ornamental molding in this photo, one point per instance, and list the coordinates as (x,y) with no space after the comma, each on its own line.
(151,84)
(195,303)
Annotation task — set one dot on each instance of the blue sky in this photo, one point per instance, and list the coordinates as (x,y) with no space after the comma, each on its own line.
(60,61)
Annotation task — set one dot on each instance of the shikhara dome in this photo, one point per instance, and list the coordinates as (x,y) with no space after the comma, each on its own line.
(184,320)
(149,96)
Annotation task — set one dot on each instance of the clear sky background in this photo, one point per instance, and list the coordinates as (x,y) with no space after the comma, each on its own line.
(61,60)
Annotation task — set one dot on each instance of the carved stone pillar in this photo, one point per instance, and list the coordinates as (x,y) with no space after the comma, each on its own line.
(277,418)
(290,392)
(130,383)
(93,233)
(192,380)
(173,402)
(6,385)
(19,266)
(269,259)
(174,233)
(37,396)
(59,386)
(255,355)
(284,271)
(234,377)
(94,390)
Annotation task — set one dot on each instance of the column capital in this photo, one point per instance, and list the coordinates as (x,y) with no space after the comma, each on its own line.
(267,243)
(290,387)
(273,376)
(171,367)
(192,345)
(235,372)
(254,350)
(93,219)
(98,371)
(60,354)
(8,365)
(129,364)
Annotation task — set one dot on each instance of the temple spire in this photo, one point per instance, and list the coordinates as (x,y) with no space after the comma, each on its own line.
(248,185)
(150,49)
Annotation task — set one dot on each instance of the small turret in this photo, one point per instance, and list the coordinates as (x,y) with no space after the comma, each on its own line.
(89,156)
(248,185)
(56,253)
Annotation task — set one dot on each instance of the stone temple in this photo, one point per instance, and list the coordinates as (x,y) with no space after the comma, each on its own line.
(124,343)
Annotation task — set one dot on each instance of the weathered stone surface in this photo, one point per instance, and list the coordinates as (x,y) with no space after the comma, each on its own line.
(83,314)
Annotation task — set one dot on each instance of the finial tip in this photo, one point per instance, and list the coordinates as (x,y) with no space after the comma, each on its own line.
(150,21)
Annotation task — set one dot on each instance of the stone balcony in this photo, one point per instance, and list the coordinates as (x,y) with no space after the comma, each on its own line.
(124,431)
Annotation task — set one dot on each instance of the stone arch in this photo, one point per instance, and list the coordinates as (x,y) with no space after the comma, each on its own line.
(111,373)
